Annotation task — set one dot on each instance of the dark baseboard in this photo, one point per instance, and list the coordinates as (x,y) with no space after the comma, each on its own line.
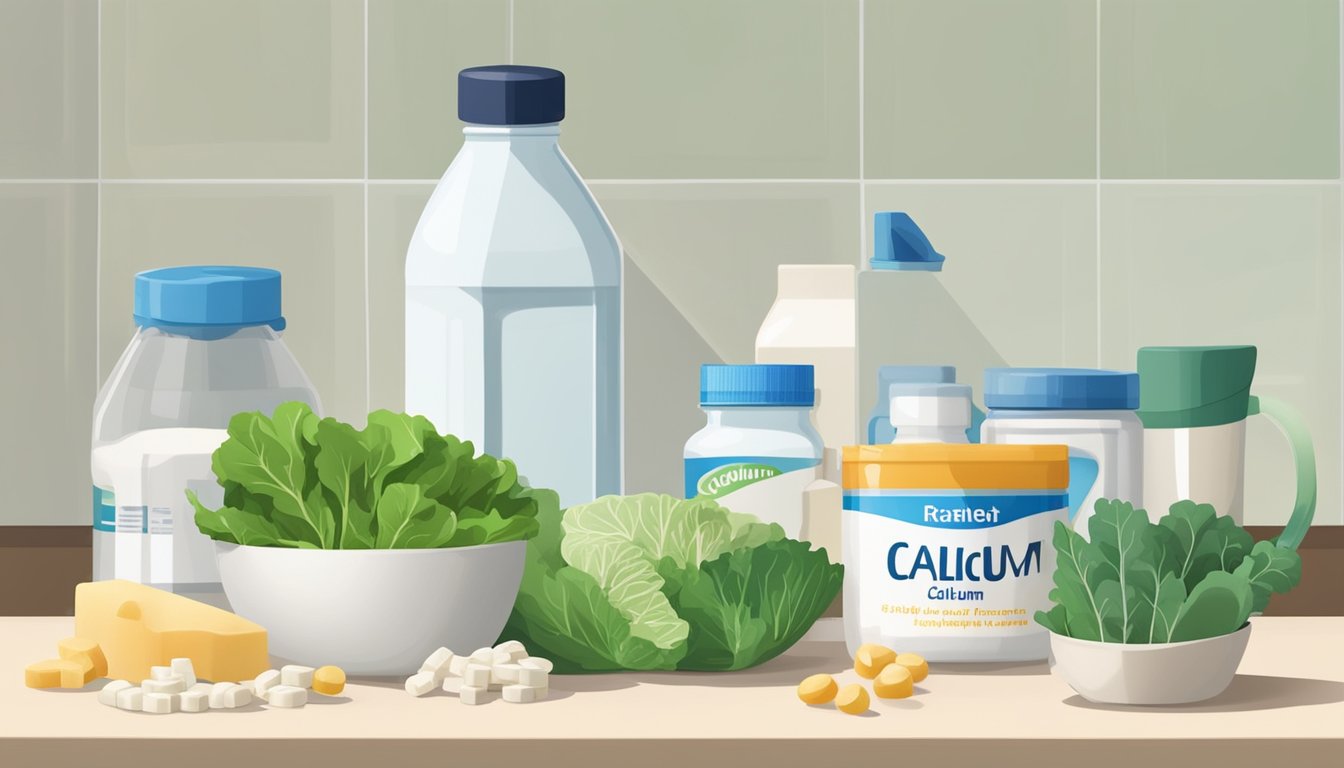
(40,566)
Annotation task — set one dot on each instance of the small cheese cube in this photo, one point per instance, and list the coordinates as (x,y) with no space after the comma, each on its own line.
(438,664)
(536,662)
(236,697)
(74,647)
(452,684)
(266,681)
(520,694)
(473,694)
(183,669)
(218,693)
(420,683)
(458,665)
(287,696)
(296,676)
(483,656)
(504,673)
(173,684)
(194,701)
(329,680)
(477,676)
(108,695)
(537,678)
(130,699)
(59,673)
(200,688)
(513,648)
(158,703)
(162,673)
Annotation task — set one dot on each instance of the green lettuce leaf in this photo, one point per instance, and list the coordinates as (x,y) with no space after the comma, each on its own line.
(1270,570)
(291,479)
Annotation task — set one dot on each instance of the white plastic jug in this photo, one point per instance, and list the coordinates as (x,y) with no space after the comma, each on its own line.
(513,294)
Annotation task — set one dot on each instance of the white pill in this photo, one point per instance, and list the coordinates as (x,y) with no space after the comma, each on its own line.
(513,648)
(171,685)
(108,695)
(266,681)
(236,697)
(537,678)
(158,703)
(500,657)
(483,656)
(296,675)
(194,701)
(218,693)
(420,683)
(162,673)
(536,662)
(201,688)
(130,699)
(452,684)
(520,694)
(288,696)
(472,694)
(438,664)
(505,673)
(458,665)
(183,669)
(251,686)
(477,676)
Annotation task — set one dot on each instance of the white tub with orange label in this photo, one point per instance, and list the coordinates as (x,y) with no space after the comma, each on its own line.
(948,548)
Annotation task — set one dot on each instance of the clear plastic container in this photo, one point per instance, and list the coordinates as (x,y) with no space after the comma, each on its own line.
(207,347)
(513,294)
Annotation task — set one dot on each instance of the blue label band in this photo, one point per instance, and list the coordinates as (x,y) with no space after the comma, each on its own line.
(957,512)
(104,510)
(717,476)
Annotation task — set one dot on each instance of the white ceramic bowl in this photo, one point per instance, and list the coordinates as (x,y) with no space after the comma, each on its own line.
(373,611)
(1160,673)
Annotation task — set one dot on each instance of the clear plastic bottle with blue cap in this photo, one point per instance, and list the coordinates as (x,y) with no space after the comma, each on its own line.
(759,450)
(1093,412)
(513,294)
(207,346)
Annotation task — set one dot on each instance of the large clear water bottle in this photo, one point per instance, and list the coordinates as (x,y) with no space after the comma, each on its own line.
(207,347)
(513,294)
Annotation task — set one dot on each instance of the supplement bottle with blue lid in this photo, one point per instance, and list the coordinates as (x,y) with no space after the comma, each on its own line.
(948,548)
(759,449)
(207,346)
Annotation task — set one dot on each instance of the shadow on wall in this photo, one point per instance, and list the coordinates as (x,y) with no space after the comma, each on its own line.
(663,354)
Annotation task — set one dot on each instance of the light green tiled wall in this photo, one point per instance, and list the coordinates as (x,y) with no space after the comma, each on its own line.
(1101,174)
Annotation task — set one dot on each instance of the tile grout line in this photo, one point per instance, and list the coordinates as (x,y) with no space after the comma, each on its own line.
(1340,230)
(509,47)
(1097,191)
(368,335)
(98,207)
(1331,182)
(863,187)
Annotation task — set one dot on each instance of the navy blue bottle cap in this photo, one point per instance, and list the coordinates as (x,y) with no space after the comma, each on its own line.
(510,94)
(757,385)
(1061,389)
(208,296)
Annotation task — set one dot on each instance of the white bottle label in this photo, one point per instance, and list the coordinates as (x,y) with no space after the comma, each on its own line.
(769,487)
(926,564)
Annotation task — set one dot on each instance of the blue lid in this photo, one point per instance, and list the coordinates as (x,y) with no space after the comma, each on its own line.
(1061,389)
(510,94)
(899,243)
(765,385)
(208,296)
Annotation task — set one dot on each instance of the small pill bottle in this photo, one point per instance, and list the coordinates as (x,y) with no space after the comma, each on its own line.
(929,413)
(759,449)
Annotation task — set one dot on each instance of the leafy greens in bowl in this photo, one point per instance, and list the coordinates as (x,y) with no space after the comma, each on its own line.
(650,582)
(1192,575)
(294,480)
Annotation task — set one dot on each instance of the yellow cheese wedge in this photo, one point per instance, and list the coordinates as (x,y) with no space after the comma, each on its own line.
(59,673)
(139,627)
(82,647)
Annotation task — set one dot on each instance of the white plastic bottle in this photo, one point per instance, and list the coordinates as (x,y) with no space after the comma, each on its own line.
(207,347)
(759,451)
(513,294)
(930,413)
(812,323)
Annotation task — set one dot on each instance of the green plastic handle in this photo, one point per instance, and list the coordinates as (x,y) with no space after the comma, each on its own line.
(1294,427)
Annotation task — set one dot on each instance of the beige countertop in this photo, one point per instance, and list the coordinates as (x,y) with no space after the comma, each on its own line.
(1287,703)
